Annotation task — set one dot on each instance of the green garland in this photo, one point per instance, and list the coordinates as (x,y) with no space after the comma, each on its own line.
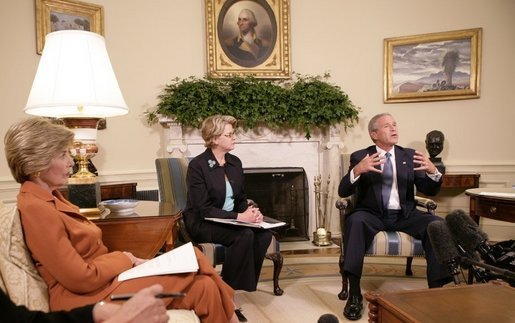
(303,103)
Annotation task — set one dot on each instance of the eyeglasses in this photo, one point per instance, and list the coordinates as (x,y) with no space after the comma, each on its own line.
(229,135)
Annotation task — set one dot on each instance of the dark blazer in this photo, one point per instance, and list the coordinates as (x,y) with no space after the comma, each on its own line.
(206,189)
(368,187)
(12,313)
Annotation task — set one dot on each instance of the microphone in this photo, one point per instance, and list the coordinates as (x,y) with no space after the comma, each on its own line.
(328,318)
(505,273)
(469,236)
(444,247)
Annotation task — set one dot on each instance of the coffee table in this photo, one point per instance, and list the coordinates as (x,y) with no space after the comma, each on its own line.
(467,303)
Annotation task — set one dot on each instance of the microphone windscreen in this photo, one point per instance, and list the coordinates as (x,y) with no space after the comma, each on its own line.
(465,230)
(328,318)
(444,245)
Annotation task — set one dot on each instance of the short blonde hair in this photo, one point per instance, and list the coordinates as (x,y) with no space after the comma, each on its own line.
(213,127)
(31,144)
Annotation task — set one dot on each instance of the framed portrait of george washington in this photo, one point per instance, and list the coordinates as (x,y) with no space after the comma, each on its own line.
(248,37)
(433,67)
(54,15)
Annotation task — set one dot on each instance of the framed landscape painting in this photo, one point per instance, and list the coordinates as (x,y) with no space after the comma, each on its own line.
(433,67)
(54,15)
(248,37)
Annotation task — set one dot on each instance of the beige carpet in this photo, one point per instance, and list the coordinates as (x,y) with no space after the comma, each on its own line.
(311,284)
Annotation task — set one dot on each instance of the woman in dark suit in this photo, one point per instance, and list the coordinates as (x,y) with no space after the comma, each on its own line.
(215,190)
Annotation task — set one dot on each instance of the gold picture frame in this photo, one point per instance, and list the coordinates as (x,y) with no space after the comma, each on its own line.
(433,67)
(53,15)
(267,56)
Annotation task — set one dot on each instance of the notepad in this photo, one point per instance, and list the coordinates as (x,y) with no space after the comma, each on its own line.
(179,260)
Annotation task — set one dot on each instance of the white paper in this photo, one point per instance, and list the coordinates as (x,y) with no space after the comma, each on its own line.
(262,225)
(179,260)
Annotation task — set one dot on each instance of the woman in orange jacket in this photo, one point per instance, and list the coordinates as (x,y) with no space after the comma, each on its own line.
(67,248)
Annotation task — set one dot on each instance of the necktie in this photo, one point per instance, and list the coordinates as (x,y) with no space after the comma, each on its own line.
(387,180)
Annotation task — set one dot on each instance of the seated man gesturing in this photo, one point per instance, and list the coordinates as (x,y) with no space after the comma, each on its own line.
(383,177)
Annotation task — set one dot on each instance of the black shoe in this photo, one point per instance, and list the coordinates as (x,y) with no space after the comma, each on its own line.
(240,315)
(353,308)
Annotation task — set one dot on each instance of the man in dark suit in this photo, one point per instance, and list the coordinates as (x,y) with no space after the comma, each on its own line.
(383,178)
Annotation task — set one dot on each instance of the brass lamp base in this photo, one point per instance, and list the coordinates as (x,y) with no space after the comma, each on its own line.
(84,145)
(83,173)
(322,237)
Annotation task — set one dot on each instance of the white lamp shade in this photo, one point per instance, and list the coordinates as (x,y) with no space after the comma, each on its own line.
(75,78)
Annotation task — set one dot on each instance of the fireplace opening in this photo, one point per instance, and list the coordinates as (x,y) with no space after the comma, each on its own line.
(282,194)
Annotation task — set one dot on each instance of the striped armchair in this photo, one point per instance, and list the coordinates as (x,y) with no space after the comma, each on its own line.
(386,243)
(171,175)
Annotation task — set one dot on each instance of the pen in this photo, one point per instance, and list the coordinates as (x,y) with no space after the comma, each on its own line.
(124,297)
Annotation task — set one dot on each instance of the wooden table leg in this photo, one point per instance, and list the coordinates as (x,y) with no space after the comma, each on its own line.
(373,307)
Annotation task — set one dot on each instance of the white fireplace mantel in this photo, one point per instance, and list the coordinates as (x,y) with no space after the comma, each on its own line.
(262,147)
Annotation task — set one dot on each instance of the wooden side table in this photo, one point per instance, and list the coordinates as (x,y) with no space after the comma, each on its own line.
(461,304)
(151,227)
(463,181)
(493,203)
(110,191)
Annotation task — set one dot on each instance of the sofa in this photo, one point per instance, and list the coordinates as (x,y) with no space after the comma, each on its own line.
(20,279)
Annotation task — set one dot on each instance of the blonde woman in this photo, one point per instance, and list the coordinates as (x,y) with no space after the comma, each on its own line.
(67,248)
(215,190)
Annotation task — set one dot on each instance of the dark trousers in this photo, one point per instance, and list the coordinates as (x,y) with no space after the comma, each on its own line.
(362,226)
(245,251)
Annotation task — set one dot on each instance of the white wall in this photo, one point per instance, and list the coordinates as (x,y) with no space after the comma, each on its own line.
(151,42)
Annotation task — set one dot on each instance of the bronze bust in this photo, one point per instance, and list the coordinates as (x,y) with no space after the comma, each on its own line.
(434,146)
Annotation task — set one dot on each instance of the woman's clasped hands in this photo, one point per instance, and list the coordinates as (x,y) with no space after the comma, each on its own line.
(251,214)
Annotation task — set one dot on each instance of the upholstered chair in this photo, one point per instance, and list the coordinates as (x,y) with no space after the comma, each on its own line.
(171,175)
(386,243)
(20,279)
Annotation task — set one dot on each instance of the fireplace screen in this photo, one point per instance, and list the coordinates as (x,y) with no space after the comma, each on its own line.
(282,194)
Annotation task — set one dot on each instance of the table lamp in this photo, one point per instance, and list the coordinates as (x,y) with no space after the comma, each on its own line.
(75,82)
